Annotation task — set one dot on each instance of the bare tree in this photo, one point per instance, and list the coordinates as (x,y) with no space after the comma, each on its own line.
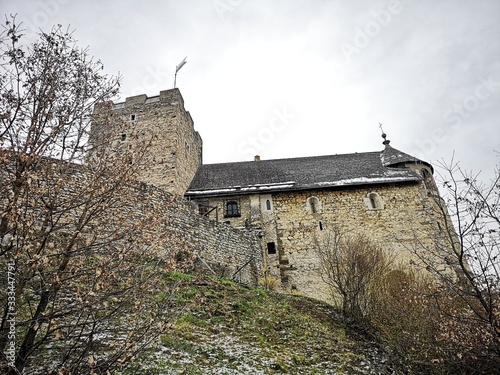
(83,283)
(353,267)
(469,298)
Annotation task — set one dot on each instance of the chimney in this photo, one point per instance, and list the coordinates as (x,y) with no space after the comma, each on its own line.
(256,158)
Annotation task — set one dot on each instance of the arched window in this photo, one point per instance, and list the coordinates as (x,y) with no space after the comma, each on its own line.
(374,202)
(268,205)
(232,209)
(313,205)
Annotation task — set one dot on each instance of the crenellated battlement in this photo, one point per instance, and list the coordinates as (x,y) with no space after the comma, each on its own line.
(168,97)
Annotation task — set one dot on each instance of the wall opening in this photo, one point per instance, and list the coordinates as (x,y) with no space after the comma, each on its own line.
(373,201)
(232,209)
(313,205)
(271,248)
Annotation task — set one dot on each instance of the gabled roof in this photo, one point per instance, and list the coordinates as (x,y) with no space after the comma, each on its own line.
(385,167)
(392,157)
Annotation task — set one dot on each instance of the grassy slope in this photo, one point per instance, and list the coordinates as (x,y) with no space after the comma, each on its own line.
(226,328)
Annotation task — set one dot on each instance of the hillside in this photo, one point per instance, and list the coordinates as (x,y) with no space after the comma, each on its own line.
(226,328)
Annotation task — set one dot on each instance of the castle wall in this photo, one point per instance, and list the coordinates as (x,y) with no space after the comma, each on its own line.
(219,247)
(403,221)
(129,214)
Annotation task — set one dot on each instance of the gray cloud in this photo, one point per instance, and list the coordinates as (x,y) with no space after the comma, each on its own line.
(416,64)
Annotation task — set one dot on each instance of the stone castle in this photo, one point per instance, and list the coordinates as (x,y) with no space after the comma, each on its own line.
(282,205)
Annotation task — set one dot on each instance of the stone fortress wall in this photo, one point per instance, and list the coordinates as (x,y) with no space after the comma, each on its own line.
(401,223)
(218,247)
(167,224)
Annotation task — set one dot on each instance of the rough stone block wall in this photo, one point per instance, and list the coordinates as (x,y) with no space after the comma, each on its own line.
(139,215)
(234,251)
(219,247)
(405,222)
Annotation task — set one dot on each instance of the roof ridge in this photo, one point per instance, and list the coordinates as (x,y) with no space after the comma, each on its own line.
(297,158)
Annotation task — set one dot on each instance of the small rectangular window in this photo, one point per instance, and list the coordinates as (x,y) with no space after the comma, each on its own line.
(271,248)
(132,117)
(232,209)
(124,136)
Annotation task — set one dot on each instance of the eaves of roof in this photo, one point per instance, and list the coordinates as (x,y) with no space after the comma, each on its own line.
(292,186)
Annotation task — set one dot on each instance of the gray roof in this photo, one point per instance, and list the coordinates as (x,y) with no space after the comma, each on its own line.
(319,172)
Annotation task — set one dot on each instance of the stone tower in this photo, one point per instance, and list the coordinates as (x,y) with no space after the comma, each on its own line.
(172,149)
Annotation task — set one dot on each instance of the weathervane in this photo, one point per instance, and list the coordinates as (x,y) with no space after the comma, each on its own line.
(386,141)
(177,68)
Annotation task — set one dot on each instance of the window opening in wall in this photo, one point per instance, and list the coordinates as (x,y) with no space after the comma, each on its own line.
(320,225)
(232,209)
(314,205)
(268,205)
(374,202)
(271,248)
(124,136)
(132,117)
(203,208)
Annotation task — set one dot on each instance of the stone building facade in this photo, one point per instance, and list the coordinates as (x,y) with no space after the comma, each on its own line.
(387,196)
(290,204)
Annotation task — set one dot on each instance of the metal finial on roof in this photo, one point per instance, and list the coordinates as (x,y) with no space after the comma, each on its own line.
(386,141)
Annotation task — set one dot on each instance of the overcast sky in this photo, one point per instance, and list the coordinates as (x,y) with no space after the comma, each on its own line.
(290,78)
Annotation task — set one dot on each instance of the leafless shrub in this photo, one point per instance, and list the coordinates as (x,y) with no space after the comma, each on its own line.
(76,232)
